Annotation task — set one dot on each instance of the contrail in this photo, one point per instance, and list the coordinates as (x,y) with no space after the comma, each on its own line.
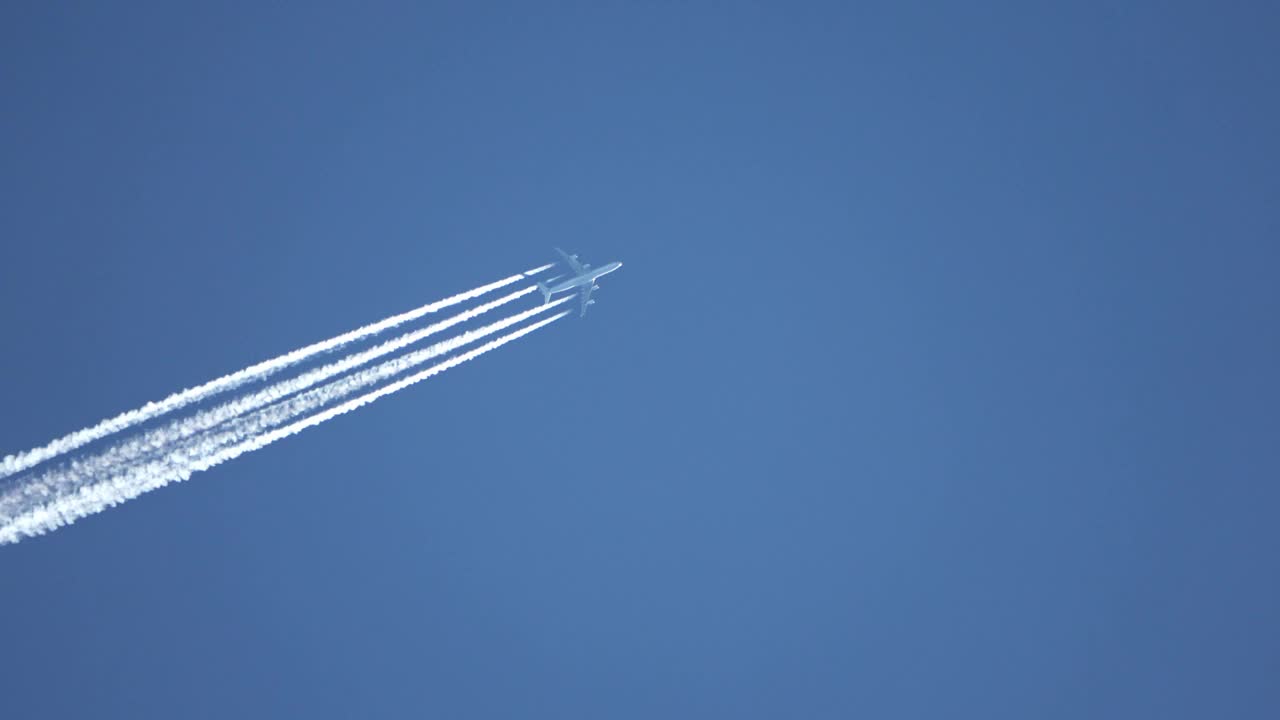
(21,461)
(179,465)
(259,441)
(316,399)
(151,441)
(123,457)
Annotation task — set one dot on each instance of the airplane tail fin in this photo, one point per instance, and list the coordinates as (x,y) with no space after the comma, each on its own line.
(546,293)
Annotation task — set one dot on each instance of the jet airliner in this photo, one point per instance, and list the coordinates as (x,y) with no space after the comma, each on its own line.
(583,280)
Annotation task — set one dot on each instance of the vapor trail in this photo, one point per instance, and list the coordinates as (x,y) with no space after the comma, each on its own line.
(23,460)
(112,463)
(180,464)
(316,399)
(259,441)
(134,448)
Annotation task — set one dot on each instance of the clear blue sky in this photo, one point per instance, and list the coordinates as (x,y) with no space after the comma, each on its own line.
(940,380)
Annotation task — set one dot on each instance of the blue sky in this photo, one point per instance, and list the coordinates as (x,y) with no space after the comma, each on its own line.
(939,382)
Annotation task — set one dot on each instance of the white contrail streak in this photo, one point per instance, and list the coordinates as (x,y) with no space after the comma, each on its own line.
(113,462)
(316,399)
(259,441)
(151,441)
(23,460)
(39,518)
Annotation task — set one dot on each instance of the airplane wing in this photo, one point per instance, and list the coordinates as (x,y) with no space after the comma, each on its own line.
(572,260)
(584,295)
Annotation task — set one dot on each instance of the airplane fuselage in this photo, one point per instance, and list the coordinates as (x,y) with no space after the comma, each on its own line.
(587,278)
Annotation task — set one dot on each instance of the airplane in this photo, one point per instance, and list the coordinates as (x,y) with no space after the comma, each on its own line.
(583,280)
